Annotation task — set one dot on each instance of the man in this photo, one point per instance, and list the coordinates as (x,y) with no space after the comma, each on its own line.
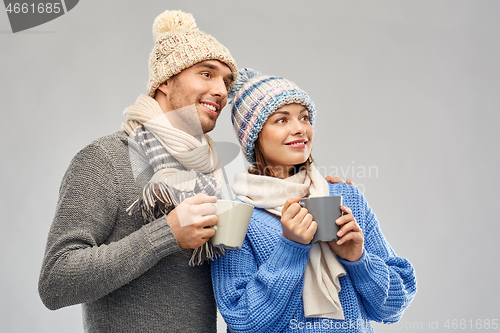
(117,245)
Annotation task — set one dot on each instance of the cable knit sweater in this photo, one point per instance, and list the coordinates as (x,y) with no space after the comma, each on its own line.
(259,288)
(130,276)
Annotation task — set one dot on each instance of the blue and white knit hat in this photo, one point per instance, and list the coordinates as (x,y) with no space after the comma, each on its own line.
(254,97)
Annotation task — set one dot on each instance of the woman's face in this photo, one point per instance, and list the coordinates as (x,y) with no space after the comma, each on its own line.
(286,138)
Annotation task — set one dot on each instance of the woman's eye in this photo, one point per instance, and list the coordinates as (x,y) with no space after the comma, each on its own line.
(280,121)
(305,118)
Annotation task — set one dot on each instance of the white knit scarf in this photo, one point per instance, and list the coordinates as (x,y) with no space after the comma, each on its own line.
(182,163)
(321,276)
(189,151)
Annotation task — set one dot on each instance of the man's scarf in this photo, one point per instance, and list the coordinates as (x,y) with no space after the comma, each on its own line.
(183,165)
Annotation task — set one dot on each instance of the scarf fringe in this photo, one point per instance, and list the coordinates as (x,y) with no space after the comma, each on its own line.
(205,253)
(157,199)
(163,145)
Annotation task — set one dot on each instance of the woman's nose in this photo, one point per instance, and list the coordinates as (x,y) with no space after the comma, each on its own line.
(298,127)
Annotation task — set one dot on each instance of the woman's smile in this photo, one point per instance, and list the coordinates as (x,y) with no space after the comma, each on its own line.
(297,144)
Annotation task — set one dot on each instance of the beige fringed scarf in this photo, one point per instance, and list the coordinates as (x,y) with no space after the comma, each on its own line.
(321,276)
(183,164)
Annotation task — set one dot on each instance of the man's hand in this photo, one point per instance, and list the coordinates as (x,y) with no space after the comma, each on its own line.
(334,180)
(297,223)
(351,240)
(191,221)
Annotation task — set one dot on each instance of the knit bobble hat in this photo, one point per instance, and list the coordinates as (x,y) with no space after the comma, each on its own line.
(254,97)
(179,45)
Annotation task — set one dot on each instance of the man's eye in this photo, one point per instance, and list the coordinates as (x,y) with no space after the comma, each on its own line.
(206,74)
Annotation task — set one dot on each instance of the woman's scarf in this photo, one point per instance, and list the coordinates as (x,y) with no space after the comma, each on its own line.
(183,166)
(321,276)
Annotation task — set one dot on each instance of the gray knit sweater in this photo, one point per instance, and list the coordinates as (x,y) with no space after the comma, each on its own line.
(130,276)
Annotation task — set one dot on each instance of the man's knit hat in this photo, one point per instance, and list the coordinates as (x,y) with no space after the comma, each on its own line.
(254,98)
(179,45)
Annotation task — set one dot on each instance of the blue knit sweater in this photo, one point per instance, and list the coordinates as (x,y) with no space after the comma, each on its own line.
(259,288)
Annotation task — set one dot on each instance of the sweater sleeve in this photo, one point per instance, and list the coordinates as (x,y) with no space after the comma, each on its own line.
(385,282)
(80,265)
(255,297)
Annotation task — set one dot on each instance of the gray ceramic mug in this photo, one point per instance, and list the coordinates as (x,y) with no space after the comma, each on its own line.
(325,210)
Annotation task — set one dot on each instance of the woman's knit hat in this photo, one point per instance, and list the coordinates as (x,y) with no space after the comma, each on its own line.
(179,45)
(254,98)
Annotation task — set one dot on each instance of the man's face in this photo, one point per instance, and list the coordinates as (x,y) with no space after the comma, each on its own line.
(204,86)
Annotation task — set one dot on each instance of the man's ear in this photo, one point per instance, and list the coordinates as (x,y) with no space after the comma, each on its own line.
(163,88)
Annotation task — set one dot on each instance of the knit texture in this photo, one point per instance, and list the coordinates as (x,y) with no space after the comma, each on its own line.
(130,276)
(160,159)
(254,98)
(259,288)
(179,45)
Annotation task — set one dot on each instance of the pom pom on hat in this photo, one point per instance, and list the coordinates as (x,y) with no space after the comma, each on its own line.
(244,75)
(172,20)
(179,44)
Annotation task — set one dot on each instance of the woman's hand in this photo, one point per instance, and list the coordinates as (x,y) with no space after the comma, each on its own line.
(297,223)
(350,244)
(334,180)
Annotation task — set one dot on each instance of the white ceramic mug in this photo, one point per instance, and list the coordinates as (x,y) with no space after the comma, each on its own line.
(231,229)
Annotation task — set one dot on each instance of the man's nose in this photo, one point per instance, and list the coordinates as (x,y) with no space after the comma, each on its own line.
(219,88)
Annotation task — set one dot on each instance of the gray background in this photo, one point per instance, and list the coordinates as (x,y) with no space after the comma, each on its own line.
(407,100)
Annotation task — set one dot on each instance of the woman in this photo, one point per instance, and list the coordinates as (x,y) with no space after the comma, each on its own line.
(279,281)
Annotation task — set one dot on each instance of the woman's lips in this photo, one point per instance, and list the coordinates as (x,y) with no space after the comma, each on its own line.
(297,144)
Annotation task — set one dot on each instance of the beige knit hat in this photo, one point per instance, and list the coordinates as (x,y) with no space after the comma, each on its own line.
(179,45)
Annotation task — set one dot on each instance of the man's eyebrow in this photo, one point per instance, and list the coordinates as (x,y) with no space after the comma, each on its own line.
(207,65)
(229,77)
